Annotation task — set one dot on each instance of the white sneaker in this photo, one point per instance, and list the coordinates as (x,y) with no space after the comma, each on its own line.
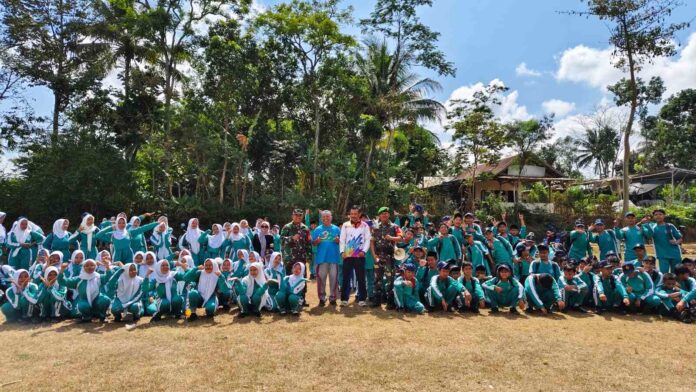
(344,303)
(362,303)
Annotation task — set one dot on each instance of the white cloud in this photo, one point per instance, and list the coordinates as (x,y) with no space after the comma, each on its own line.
(558,107)
(508,110)
(522,70)
(582,64)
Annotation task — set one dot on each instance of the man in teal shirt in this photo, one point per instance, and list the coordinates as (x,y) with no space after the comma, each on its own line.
(579,242)
(632,235)
(477,253)
(446,245)
(500,249)
(605,239)
(667,240)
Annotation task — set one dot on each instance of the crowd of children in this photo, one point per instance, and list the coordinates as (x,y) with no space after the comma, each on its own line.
(127,268)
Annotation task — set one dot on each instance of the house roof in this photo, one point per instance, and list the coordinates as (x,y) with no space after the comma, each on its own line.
(503,164)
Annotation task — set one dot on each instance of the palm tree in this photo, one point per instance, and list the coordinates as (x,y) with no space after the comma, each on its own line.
(599,146)
(396,94)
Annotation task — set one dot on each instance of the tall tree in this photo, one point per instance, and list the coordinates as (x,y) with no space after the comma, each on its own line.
(599,145)
(525,137)
(309,32)
(641,31)
(54,49)
(477,132)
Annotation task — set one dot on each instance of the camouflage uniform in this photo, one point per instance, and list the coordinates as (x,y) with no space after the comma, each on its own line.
(295,251)
(384,250)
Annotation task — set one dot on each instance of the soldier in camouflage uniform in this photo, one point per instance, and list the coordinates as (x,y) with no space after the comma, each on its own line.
(385,234)
(296,240)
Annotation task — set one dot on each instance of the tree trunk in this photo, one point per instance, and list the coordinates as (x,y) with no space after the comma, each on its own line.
(221,195)
(316,142)
(629,124)
(367,167)
(56,116)
(126,79)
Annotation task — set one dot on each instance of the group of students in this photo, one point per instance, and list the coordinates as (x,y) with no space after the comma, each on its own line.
(129,268)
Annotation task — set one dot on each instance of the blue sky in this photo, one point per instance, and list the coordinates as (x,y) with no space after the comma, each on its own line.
(567,61)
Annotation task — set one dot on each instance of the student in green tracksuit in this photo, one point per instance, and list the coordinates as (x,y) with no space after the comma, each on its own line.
(606,240)
(161,239)
(85,235)
(127,288)
(91,302)
(191,240)
(22,297)
(252,291)
(521,264)
(667,240)
(500,249)
(446,245)
(53,301)
(474,299)
(289,296)
(166,296)
(573,289)
(579,242)
(443,289)
(406,291)
(639,256)
(240,267)
(609,293)
(425,274)
(225,297)
(60,238)
(476,253)
(137,233)
(542,293)
(237,242)
(208,282)
(215,242)
(43,260)
(544,265)
(275,272)
(640,288)
(21,243)
(674,300)
(121,239)
(632,234)
(504,290)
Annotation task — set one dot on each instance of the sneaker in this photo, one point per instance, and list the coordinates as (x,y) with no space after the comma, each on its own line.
(128,319)
(156,317)
(283,313)
(494,310)
(257,314)
(513,310)
(242,315)
(295,313)
(362,303)
(391,306)
(322,303)
(580,309)
(344,303)
(332,302)
(193,317)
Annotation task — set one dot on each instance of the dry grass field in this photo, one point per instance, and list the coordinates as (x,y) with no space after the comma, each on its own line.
(335,349)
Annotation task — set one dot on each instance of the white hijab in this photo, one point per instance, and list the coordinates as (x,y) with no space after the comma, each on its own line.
(93,281)
(21,235)
(100,258)
(88,230)
(260,279)
(3,232)
(127,286)
(293,279)
(144,267)
(72,267)
(156,233)
(120,234)
(15,287)
(215,241)
(192,236)
(239,235)
(207,282)
(279,268)
(244,230)
(163,278)
(58,231)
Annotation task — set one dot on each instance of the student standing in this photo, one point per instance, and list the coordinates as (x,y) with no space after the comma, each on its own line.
(632,234)
(667,240)
(86,236)
(21,242)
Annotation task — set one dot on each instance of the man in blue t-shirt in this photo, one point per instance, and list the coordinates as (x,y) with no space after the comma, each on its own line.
(326,238)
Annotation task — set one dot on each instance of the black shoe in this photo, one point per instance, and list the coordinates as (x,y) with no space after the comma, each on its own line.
(332,302)
(305,304)
(295,313)
(322,303)
(102,320)
(580,309)
(391,306)
(529,310)
(494,310)
(156,317)
(685,317)
(257,314)
(242,315)
(513,310)
(193,317)
(475,311)
(599,311)
(117,317)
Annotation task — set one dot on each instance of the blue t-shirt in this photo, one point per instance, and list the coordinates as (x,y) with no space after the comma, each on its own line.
(327,250)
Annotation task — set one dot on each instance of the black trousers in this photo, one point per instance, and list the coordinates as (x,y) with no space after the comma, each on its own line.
(351,264)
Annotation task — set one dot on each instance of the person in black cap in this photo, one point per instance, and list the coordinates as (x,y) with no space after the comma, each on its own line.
(406,289)
(609,293)
(443,290)
(473,226)
(650,269)
(504,290)
(520,268)
(640,288)
(640,254)
(542,293)
(544,265)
